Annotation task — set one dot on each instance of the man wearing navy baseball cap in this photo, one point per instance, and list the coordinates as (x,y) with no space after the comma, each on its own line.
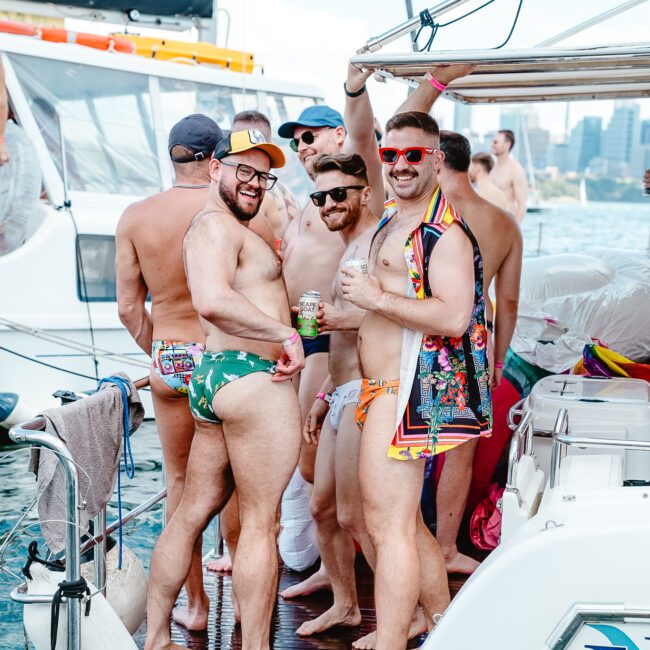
(312,254)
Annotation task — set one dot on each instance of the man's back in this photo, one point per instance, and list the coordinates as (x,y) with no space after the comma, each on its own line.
(155,227)
(509,176)
(491,192)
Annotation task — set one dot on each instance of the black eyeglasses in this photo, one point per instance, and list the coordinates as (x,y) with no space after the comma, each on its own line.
(338,194)
(307,137)
(246,173)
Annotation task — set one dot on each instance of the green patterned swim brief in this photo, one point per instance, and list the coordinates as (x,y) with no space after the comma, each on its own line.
(215,371)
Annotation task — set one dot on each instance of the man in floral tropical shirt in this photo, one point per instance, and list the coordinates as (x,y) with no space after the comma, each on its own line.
(422,348)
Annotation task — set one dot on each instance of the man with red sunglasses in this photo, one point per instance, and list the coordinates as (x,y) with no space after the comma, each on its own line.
(422,349)
(311,253)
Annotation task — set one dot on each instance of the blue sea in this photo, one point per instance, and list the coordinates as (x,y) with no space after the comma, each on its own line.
(558,229)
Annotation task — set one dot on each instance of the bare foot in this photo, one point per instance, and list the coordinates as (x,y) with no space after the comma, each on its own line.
(315,582)
(459,563)
(193,619)
(418,626)
(221,565)
(347,617)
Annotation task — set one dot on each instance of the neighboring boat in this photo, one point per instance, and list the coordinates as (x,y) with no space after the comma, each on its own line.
(98,122)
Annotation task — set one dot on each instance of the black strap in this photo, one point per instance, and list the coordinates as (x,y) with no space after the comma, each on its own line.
(77,589)
(32,557)
(358,93)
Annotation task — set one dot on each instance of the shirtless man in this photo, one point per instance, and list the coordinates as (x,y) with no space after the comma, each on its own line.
(420,395)
(279,208)
(4,112)
(500,242)
(237,393)
(509,175)
(149,261)
(342,196)
(479,174)
(311,252)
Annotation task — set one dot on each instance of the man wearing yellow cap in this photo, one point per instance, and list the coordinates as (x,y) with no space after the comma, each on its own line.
(246,410)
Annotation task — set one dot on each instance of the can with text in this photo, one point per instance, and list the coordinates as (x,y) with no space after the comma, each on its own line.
(358,263)
(307,308)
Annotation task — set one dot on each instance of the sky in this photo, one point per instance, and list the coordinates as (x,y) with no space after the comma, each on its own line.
(312,40)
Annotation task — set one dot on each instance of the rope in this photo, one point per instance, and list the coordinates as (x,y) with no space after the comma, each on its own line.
(514,24)
(78,589)
(129,466)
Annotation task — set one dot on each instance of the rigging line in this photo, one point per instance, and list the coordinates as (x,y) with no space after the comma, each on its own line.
(469,13)
(49,365)
(68,207)
(73,345)
(514,24)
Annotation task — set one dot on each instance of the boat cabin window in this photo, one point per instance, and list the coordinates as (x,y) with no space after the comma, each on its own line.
(96,268)
(103,118)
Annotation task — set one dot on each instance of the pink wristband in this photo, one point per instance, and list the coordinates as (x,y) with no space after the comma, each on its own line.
(324,396)
(435,83)
(498,364)
(290,341)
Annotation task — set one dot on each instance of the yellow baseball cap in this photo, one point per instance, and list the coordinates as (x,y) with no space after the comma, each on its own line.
(238,141)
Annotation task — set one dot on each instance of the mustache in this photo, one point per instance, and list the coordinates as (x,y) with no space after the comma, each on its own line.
(327,213)
(403,172)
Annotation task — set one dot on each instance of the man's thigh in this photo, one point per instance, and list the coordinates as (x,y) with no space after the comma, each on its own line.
(348,443)
(262,430)
(390,488)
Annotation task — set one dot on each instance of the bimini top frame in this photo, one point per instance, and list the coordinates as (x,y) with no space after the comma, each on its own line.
(541,73)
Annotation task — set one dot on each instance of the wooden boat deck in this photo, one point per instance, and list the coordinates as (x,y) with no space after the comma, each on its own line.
(223,634)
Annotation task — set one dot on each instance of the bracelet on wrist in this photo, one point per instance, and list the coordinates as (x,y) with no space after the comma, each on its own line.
(291,340)
(357,93)
(498,364)
(324,396)
(440,87)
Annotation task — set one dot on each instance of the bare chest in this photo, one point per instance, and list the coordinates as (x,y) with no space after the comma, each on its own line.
(257,262)
(387,261)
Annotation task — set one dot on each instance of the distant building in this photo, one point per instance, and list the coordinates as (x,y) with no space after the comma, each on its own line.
(622,138)
(645,132)
(585,143)
(462,118)
(531,140)
(558,156)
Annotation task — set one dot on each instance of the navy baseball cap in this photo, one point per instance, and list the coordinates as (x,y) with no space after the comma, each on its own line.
(319,115)
(199,133)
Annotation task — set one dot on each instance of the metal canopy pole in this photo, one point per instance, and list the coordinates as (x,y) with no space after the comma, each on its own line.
(377,42)
(610,13)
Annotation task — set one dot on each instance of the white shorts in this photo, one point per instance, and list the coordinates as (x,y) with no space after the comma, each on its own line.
(342,396)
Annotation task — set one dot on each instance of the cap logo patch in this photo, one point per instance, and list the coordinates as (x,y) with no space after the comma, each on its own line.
(256,136)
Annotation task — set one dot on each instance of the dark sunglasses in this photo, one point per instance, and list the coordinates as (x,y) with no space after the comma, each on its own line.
(338,194)
(412,155)
(307,137)
(246,173)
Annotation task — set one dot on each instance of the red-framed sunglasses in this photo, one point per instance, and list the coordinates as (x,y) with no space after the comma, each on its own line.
(412,155)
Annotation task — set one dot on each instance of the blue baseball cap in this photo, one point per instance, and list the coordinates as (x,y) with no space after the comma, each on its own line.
(319,115)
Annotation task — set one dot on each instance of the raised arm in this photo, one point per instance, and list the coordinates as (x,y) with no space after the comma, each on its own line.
(507,296)
(131,287)
(211,250)
(425,95)
(447,312)
(360,126)
(4,113)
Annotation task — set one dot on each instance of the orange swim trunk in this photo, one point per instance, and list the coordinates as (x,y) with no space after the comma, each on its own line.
(371,388)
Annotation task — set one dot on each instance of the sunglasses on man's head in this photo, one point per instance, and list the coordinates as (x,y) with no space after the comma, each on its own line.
(338,194)
(412,155)
(307,137)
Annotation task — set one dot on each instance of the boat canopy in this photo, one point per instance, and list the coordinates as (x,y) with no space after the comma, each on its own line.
(546,72)
(189,8)
(528,75)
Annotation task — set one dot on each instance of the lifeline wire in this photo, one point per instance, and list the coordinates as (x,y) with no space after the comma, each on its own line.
(426,20)
(129,466)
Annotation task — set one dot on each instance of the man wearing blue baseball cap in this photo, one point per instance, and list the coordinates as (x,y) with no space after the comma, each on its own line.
(311,254)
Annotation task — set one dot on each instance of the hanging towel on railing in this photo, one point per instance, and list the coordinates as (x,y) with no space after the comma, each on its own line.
(91,429)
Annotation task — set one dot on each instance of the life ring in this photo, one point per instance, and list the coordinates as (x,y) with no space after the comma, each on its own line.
(59,35)
(112,43)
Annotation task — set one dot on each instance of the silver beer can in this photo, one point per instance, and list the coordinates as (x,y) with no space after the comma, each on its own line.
(358,263)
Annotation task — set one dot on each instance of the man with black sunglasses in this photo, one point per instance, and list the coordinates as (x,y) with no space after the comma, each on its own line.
(311,253)
(240,394)
(422,349)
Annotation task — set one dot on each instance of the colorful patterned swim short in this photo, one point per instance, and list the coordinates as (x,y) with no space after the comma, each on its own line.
(215,371)
(371,388)
(175,361)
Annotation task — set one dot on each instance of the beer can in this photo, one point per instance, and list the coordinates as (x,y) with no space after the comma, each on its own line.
(358,263)
(307,308)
